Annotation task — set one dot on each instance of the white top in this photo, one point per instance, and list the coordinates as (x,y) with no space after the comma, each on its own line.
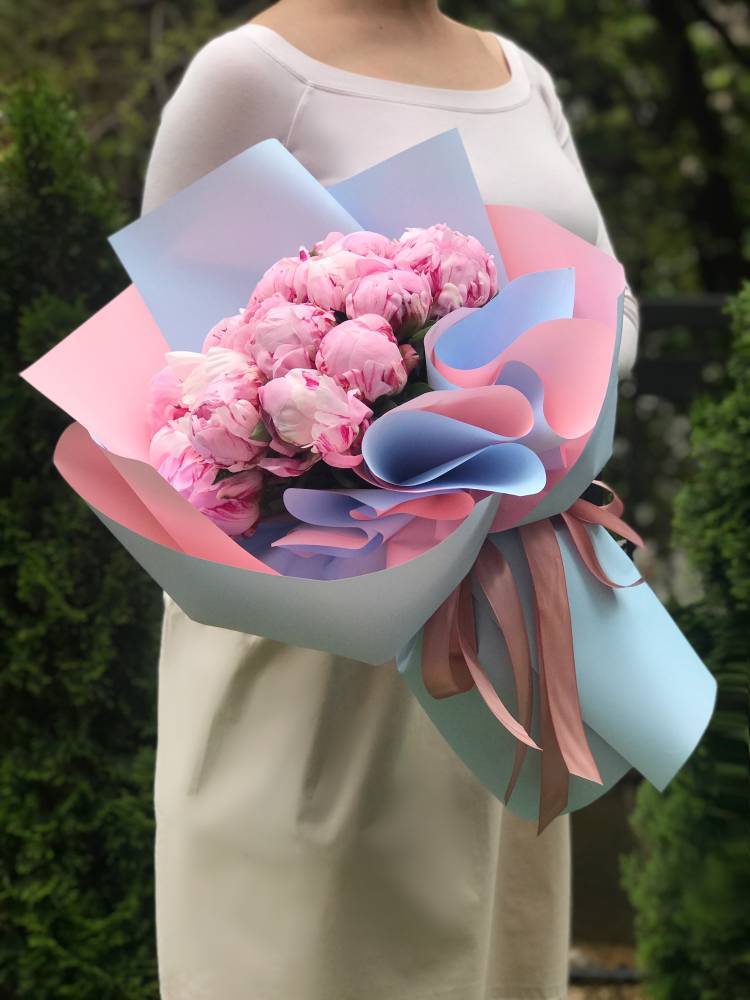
(251,84)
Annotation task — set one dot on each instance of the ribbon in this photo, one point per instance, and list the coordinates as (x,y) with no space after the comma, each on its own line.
(450,664)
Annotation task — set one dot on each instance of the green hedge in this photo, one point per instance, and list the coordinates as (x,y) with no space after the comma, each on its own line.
(690,878)
(78,619)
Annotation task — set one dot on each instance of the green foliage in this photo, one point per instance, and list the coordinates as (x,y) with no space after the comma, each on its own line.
(713,513)
(657,95)
(118,61)
(78,619)
(690,880)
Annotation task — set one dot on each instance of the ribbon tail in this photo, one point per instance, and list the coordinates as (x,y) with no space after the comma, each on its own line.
(585,547)
(555,777)
(591,514)
(495,577)
(559,688)
(444,670)
(612,511)
(493,701)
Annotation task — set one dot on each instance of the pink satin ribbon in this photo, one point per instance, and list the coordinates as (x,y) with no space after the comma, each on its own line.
(450,663)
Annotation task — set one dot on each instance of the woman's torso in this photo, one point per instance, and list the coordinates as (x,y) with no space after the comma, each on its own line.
(315,836)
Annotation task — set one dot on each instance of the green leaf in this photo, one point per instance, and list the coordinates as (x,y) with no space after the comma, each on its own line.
(414,389)
(260,432)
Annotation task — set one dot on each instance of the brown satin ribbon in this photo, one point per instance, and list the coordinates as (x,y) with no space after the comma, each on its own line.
(450,663)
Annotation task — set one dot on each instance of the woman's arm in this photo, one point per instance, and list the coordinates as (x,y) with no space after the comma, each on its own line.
(631,318)
(231,96)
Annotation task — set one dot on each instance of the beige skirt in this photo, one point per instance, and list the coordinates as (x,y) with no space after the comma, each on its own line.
(318,840)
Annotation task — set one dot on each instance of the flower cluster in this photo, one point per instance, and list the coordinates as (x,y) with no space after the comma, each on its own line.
(292,378)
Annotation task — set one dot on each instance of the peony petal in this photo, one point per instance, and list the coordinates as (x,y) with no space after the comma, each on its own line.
(340,461)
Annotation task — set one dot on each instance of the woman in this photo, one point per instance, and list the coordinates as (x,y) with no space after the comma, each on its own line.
(316,839)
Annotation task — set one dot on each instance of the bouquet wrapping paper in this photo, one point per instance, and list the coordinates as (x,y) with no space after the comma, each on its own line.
(638,694)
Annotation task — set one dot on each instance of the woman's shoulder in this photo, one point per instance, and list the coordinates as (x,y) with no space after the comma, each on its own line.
(231,96)
(234,58)
(537,72)
(543,83)
(232,84)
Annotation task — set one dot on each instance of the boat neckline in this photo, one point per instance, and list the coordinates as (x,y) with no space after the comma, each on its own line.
(322,75)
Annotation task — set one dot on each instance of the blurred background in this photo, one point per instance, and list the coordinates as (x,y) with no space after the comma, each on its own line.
(658,95)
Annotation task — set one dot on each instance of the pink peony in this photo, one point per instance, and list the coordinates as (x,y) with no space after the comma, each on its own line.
(165,402)
(400,296)
(286,335)
(234,332)
(309,410)
(364,243)
(223,422)
(233,503)
(324,280)
(223,434)
(277,280)
(363,354)
(218,376)
(409,357)
(460,271)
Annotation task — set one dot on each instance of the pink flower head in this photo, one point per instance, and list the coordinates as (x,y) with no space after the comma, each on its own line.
(286,335)
(324,280)
(364,243)
(460,271)
(218,376)
(221,390)
(165,402)
(233,503)
(234,332)
(277,280)
(401,296)
(309,410)
(363,354)
(409,357)
(224,434)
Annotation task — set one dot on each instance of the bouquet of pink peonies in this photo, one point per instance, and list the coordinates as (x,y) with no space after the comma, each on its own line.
(327,341)
(383,455)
